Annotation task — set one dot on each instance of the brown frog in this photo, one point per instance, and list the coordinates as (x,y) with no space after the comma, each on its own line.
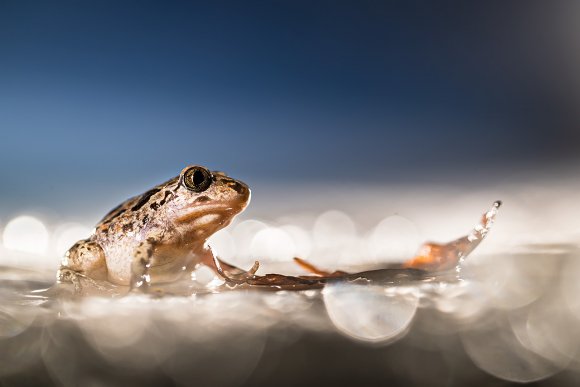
(161,235)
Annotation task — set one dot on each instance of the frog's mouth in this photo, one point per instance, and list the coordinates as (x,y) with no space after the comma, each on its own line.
(212,214)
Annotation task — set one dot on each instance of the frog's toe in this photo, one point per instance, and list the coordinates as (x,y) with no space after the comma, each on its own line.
(66,275)
(237,279)
(69,276)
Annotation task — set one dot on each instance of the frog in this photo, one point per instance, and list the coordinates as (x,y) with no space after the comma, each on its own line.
(161,235)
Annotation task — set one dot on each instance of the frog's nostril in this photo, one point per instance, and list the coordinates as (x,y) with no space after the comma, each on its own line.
(239,188)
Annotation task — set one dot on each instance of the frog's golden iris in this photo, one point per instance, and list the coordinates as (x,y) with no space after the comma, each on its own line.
(197,178)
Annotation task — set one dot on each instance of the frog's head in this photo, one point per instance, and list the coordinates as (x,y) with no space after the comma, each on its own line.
(205,201)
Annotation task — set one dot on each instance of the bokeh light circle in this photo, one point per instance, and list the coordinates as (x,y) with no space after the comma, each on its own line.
(27,234)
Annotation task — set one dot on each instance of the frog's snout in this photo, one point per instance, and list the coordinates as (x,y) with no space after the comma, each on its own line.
(242,190)
(239,187)
(235,192)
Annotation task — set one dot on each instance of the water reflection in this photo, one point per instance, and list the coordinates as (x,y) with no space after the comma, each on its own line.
(548,330)
(520,339)
(367,313)
(495,348)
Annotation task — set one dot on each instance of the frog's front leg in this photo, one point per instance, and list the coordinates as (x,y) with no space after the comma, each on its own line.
(141,265)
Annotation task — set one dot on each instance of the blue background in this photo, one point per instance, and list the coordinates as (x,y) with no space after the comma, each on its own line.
(101,97)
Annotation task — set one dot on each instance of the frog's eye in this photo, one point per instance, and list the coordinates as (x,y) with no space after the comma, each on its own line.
(197,179)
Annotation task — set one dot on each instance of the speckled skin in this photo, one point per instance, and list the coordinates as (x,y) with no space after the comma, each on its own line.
(160,234)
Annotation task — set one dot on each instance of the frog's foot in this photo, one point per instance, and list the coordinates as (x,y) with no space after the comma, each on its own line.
(66,275)
(439,257)
(226,270)
(239,278)
(316,271)
(234,271)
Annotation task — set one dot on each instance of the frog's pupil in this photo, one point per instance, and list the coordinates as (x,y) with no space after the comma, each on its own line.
(198,178)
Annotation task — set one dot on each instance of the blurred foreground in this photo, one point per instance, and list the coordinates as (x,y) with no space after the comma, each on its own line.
(511,315)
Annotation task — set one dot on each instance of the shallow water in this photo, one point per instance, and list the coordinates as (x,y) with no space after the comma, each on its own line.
(515,318)
(512,314)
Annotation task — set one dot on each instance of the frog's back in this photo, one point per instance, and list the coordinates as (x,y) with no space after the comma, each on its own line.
(131,205)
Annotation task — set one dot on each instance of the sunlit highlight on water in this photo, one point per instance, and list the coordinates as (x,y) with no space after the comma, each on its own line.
(394,239)
(335,238)
(274,243)
(27,234)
